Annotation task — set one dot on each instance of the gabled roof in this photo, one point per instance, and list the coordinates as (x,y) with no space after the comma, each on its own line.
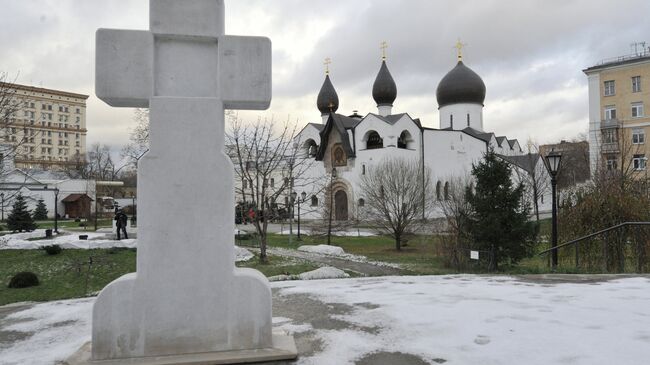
(75,197)
(336,123)
(512,142)
(394,118)
(487,137)
(526,162)
(500,140)
(317,126)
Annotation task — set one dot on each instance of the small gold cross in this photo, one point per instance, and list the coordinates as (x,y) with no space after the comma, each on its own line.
(383,47)
(459,48)
(327,63)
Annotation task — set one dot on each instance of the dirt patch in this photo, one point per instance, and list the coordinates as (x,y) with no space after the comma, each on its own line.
(392,358)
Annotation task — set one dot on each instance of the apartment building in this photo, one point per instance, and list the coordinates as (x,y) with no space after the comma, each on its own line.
(46,128)
(619,91)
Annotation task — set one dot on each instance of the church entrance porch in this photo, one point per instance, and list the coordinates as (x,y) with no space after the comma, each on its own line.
(341,205)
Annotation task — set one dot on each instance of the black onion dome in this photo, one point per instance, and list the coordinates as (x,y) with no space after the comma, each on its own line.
(460,85)
(384,90)
(328,99)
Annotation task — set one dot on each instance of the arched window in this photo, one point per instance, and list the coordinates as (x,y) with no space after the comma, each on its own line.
(310,148)
(363,169)
(468,119)
(362,202)
(374,141)
(314,201)
(404,140)
(447,190)
(438,192)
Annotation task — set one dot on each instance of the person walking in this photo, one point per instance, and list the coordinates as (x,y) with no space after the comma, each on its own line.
(121,220)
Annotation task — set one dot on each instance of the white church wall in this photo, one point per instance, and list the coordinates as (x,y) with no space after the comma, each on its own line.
(460,114)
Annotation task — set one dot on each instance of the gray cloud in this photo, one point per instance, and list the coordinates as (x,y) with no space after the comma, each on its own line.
(530,53)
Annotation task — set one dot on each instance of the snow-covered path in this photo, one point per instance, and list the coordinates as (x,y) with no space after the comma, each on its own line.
(459,319)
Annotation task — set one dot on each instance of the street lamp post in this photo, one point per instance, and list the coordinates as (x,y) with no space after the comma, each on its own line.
(301,200)
(56,210)
(292,198)
(553,160)
(329,226)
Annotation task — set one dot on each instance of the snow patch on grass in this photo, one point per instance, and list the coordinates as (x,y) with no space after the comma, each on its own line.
(323,249)
(326,272)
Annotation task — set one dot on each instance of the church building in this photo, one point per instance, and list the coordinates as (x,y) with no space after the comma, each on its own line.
(344,147)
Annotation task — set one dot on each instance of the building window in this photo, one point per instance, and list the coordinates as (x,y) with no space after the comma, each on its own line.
(272,182)
(447,190)
(638,136)
(636,84)
(610,136)
(363,169)
(362,202)
(374,141)
(637,110)
(314,201)
(468,119)
(639,162)
(244,184)
(438,190)
(610,88)
(610,112)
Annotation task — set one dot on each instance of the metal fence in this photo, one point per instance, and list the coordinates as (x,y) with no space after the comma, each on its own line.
(622,248)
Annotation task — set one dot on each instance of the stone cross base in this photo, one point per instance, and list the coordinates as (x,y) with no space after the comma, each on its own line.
(284,348)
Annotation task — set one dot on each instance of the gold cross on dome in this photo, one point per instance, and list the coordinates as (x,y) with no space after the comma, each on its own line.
(383,45)
(459,49)
(327,63)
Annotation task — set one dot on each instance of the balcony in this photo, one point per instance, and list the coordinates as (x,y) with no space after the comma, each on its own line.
(610,148)
(610,124)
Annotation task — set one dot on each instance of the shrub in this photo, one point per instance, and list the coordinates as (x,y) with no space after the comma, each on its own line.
(20,219)
(52,249)
(23,279)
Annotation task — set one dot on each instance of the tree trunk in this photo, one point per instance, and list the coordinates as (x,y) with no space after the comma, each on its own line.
(398,242)
(263,257)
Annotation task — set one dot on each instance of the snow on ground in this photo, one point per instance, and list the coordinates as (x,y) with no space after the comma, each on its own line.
(70,240)
(353,233)
(312,254)
(242,254)
(462,319)
(326,272)
(323,249)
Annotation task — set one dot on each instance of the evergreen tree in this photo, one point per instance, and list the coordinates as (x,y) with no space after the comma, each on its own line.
(40,213)
(20,218)
(498,216)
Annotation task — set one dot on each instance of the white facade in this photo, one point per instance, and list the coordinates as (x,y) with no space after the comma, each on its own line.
(462,115)
(448,154)
(42,186)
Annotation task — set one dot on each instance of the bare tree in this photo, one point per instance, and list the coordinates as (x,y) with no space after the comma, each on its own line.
(11,124)
(534,176)
(268,164)
(139,138)
(454,207)
(396,193)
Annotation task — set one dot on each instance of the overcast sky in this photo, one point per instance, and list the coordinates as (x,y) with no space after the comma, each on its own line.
(529,53)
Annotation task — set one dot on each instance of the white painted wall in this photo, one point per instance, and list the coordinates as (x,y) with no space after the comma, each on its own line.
(460,112)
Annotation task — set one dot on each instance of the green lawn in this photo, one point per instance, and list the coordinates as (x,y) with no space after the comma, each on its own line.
(66,275)
(62,276)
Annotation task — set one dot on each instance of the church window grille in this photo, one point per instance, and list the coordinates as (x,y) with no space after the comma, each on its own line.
(374,141)
(451,121)
(362,202)
(402,141)
(363,169)
(468,119)
(314,201)
(447,190)
(438,192)
(272,182)
(244,184)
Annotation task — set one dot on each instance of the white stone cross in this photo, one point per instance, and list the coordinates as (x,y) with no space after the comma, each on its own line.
(186,296)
